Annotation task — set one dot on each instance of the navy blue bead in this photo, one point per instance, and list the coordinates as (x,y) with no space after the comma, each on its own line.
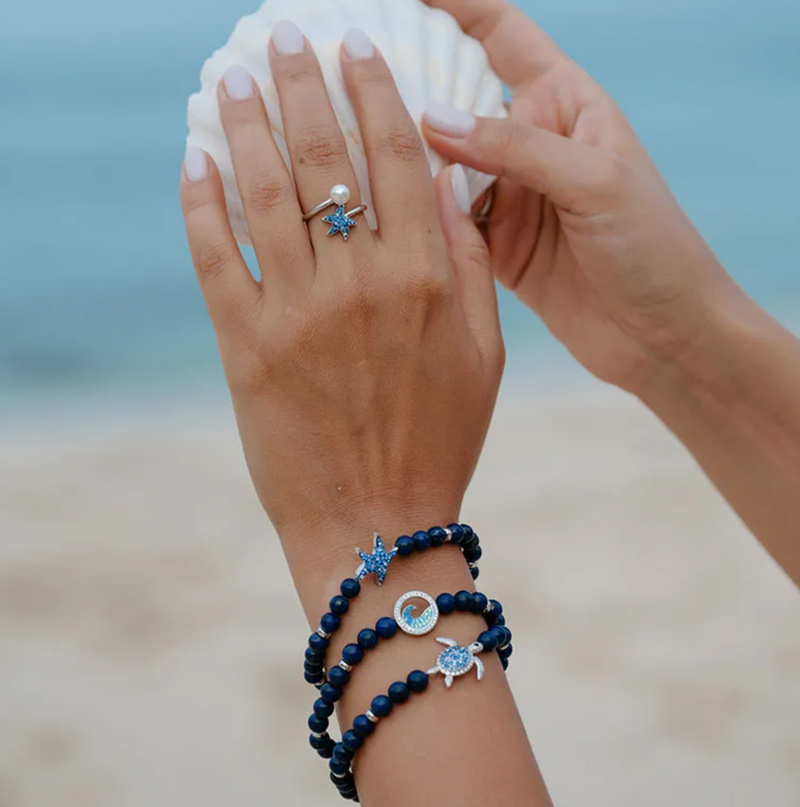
(313,677)
(363,725)
(417,681)
(505,652)
(500,634)
(404,545)
(339,605)
(329,693)
(317,743)
(489,640)
(352,741)
(473,555)
(330,623)
(509,635)
(504,633)
(497,608)
(318,724)
(399,692)
(314,656)
(350,588)
(437,535)
(479,602)
(499,620)
(422,541)
(504,662)
(457,533)
(381,706)
(312,668)
(446,603)
(367,639)
(316,642)
(338,677)
(475,573)
(464,601)
(469,534)
(336,765)
(386,627)
(326,751)
(322,708)
(342,754)
(352,654)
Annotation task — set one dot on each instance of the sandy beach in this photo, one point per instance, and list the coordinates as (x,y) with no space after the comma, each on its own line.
(150,637)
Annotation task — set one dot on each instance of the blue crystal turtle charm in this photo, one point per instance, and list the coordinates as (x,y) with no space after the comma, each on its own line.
(416,625)
(340,223)
(377,561)
(456,660)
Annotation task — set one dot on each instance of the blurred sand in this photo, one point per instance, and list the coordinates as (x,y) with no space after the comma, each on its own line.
(150,637)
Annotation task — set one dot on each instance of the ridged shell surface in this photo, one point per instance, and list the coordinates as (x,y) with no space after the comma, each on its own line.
(430,57)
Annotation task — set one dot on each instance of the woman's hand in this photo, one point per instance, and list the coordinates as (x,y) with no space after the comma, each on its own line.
(363,373)
(583,228)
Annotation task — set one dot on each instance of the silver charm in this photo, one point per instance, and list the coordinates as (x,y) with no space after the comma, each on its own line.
(419,625)
(457,660)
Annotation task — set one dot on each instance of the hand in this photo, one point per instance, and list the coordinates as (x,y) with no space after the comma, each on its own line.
(363,373)
(583,228)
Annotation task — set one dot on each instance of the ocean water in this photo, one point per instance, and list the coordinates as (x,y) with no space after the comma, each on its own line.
(97,295)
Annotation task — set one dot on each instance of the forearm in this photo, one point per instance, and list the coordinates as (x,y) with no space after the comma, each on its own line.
(734,401)
(445,746)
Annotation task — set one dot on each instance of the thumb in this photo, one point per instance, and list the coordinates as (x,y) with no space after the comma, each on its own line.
(552,165)
(471,263)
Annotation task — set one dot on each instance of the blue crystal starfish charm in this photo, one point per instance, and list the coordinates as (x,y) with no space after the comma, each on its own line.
(378,561)
(340,223)
(456,660)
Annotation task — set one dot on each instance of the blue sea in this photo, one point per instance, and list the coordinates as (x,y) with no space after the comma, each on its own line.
(97,295)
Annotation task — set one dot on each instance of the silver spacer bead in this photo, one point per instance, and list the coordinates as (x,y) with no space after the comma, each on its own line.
(489,608)
(345,666)
(341,775)
(471,566)
(323,634)
(320,735)
(448,535)
(324,680)
(371,716)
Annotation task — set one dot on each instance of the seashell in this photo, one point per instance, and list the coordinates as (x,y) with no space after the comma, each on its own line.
(430,56)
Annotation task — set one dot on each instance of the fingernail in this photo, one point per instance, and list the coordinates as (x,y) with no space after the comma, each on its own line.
(195,164)
(288,38)
(358,45)
(238,83)
(458,181)
(448,120)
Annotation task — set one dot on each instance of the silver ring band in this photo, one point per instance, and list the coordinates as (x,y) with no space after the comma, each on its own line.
(318,209)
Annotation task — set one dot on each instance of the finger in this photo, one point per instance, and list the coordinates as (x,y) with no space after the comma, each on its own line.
(399,170)
(231,293)
(518,49)
(554,166)
(471,263)
(279,237)
(316,144)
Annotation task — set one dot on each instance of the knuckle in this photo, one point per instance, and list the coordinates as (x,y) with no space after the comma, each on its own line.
(212,259)
(426,288)
(321,147)
(402,143)
(265,192)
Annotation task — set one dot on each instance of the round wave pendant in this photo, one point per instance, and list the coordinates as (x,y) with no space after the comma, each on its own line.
(416,625)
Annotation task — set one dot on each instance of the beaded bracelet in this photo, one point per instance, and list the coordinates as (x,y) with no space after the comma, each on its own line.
(378,563)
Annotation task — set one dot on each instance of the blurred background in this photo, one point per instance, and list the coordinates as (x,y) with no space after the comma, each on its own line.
(141,659)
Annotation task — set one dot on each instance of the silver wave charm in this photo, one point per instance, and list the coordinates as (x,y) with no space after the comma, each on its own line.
(457,660)
(416,625)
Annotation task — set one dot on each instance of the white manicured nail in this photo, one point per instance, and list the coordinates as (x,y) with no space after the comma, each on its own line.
(458,180)
(238,83)
(195,163)
(448,120)
(288,38)
(358,44)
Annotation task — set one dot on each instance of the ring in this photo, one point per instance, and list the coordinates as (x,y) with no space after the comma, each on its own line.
(340,195)
(340,221)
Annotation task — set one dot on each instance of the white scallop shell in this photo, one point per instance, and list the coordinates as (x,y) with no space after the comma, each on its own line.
(430,57)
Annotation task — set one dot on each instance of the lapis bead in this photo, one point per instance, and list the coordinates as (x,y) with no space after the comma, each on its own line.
(318,724)
(505,652)
(473,555)
(417,681)
(326,751)
(352,654)
(317,743)
(367,639)
(499,619)
(350,588)
(316,642)
(314,667)
(336,765)
(342,754)
(322,708)
(330,693)
(489,640)
(504,662)
(404,545)
(475,573)
(338,677)
(386,627)
(497,608)
(446,603)
(352,741)
(499,633)
(313,677)
(314,656)
(479,602)
(399,692)
(381,706)
(422,541)
(457,533)
(509,635)
(339,605)
(363,725)
(464,601)
(469,533)
(437,536)
(330,623)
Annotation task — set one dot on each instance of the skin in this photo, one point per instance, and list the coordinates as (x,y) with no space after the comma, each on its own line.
(586,232)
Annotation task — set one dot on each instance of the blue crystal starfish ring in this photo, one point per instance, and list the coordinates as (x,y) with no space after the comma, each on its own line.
(340,221)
